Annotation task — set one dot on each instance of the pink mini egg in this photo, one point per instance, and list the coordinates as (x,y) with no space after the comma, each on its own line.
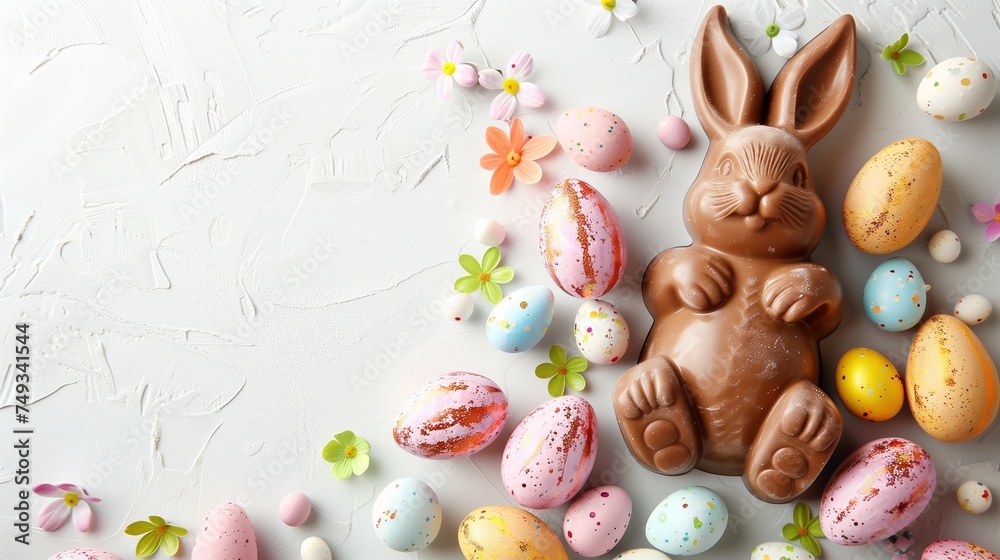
(85,554)
(597,520)
(673,132)
(294,509)
(225,534)
(949,549)
(595,139)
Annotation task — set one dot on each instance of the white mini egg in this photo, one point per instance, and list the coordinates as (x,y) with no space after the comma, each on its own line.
(489,232)
(973,309)
(957,89)
(600,332)
(407,514)
(974,497)
(460,307)
(944,246)
(315,548)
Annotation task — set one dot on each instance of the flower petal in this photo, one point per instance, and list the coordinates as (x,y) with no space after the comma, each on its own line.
(887,52)
(557,385)
(53,515)
(516,135)
(598,22)
(898,67)
(993,232)
(575,381)
(814,528)
(65,486)
(785,44)
(491,258)
(147,545)
(53,491)
(157,520)
(530,95)
(491,78)
(983,213)
(810,543)
(498,140)
(492,292)
(557,355)
(490,162)
(433,63)
(455,50)
(470,264)
(760,45)
(342,469)
(762,13)
(790,532)
(177,531)
(362,446)
(360,464)
(503,106)
(502,179)
(444,86)
(747,31)
(81,516)
(466,75)
(502,274)
(791,17)
(800,515)
(345,438)
(625,9)
(528,172)
(333,451)
(577,364)
(546,370)
(520,65)
(911,58)
(537,147)
(467,284)
(170,543)
(139,528)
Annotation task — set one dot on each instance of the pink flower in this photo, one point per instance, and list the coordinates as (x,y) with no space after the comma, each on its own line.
(448,69)
(985,214)
(515,89)
(72,500)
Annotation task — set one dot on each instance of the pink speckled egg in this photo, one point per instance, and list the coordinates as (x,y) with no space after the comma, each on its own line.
(595,139)
(596,520)
(949,549)
(581,240)
(550,453)
(294,509)
(877,491)
(455,415)
(85,554)
(225,534)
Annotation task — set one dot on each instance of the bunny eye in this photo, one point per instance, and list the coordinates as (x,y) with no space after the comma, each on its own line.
(725,168)
(799,178)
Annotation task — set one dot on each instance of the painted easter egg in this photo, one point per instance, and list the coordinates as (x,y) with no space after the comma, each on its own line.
(294,509)
(951,382)
(893,196)
(500,532)
(674,133)
(944,246)
(595,139)
(454,415)
(957,89)
(85,554)
(460,307)
(974,497)
(642,554)
(489,232)
(315,548)
(689,521)
(869,385)
(225,534)
(550,453)
(596,520)
(521,319)
(779,551)
(581,240)
(973,309)
(877,491)
(601,332)
(895,295)
(950,549)
(407,514)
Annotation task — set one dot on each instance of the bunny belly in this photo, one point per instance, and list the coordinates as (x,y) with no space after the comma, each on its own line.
(734,361)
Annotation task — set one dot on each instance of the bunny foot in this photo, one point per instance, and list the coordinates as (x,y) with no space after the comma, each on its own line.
(656,419)
(794,443)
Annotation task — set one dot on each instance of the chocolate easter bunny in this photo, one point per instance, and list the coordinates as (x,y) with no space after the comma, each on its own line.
(727,379)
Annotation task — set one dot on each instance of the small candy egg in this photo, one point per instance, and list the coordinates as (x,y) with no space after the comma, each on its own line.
(950,549)
(974,497)
(689,521)
(84,554)
(973,309)
(895,295)
(460,307)
(521,319)
(315,548)
(779,551)
(407,514)
(869,385)
(294,509)
(594,139)
(944,246)
(957,89)
(673,132)
(601,332)
(596,520)
(642,554)
(490,233)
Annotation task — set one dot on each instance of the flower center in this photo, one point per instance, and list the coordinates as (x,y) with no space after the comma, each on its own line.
(513,159)
(448,69)
(161,529)
(997,218)
(562,370)
(609,5)
(510,85)
(71,499)
(803,531)
(484,277)
(895,55)
(772,30)
(351,452)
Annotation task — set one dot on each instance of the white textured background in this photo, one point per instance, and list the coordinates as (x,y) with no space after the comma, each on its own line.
(232,226)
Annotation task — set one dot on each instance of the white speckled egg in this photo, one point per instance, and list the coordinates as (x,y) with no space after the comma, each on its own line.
(601,332)
(945,246)
(407,514)
(642,554)
(689,521)
(957,89)
(315,548)
(895,296)
(84,554)
(950,549)
(225,534)
(596,520)
(973,309)
(489,232)
(779,551)
(595,139)
(521,319)
(460,307)
(974,497)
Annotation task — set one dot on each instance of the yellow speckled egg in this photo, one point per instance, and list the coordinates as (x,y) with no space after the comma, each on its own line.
(951,381)
(501,532)
(869,385)
(893,196)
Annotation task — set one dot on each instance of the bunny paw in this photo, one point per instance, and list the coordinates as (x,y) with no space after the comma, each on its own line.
(704,280)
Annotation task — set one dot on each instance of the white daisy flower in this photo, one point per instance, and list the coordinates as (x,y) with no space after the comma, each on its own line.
(768,29)
(600,16)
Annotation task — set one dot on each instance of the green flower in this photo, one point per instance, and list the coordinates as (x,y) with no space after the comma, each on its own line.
(562,372)
(902,58)
(485,277)
(348,453)
(805,528)
(155,532)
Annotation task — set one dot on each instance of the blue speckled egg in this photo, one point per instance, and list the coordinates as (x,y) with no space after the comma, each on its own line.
(689,521)
(407,514)
(895,296)
(521,319)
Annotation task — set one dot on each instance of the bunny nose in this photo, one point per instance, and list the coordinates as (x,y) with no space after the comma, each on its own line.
(764,186)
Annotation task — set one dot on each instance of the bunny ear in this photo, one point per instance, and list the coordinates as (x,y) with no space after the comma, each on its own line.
(726,86)
(811,92)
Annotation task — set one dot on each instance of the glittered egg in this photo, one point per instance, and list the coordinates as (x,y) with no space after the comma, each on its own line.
(550,453)
(521,319)
(489,232)
(957,89)
(85,554)
(869,385)
(454,415)
(877,491)
(642,554)
(973,309)
(407,514)
(779,551)
(895,295)
(294,509)
(315,548)
(689,521)
(950,549)
(601,332)
(596,520)
(581,240)
(974,497)
(595,139)
(499,532)
(460,307)
(944,246)
(951,382)
(673,132)
(225,534)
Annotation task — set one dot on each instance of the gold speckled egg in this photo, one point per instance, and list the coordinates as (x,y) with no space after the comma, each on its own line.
(893,196)
(869,385)
(951,382)
(500,532)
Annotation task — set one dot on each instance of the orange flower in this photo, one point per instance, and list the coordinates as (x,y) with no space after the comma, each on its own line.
(514,158)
